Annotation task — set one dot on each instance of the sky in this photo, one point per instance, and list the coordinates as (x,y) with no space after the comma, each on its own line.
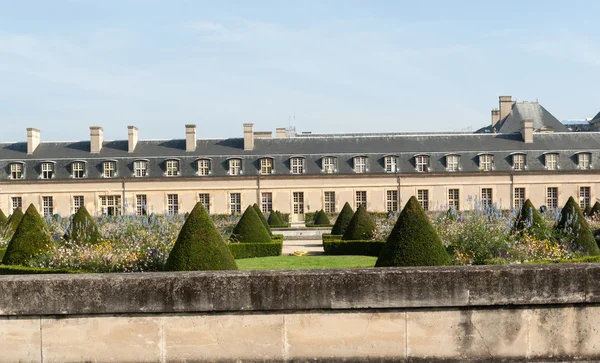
(323,66)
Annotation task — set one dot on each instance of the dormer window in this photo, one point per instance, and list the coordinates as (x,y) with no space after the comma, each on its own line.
(486,162)
(204,167)
(360,164)
(47,170)
(172,168)
(518,161)
(140,168)
(77,169)
(297,165)
(235,166)
(390,164)
(422,163)
(584,160)
(16,171)
(551,161)
(108,169)
(266,166)
(328,164)
(452,162)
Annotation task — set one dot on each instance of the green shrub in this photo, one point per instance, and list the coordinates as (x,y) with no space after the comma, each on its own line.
(277,238)
(587,211)
(3,220)
(413,241)
(595,212)
(361,226)
(321,219)
(326,237)
(284,217)
(250,228)
(2,252)
(343,220)
(23,270)
(274,219)
(529,221)
(575,229)
(13,222)
(359,248)
(83,228)
(199,246)
(250,250)
(262,218)
(29,240)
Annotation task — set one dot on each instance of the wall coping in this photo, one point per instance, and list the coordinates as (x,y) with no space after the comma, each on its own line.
(228,291)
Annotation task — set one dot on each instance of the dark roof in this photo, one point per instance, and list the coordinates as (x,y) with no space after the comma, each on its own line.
(529,111)
(596,118)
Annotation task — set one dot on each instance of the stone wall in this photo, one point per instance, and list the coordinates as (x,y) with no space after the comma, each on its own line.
(449,314)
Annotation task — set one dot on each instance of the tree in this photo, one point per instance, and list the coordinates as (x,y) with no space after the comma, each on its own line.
(321,218)
(361,226)
(262,218)
(199,246)
(413,241)
(530,222)
(29,240)
(13,222)
(250,228)
(572,224)
(83,228)
(342,221)
(274,219)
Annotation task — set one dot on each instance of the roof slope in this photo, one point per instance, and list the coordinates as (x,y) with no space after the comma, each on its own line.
(529,111)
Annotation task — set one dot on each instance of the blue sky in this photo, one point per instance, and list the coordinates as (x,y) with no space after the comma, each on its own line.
(345,66)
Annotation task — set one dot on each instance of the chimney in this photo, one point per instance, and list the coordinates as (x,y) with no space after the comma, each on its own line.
(527,131)
(506,104)
(96,139)
(33,140)
(495,116)
(190,138)
(280,133)
(132,136)
(248,137)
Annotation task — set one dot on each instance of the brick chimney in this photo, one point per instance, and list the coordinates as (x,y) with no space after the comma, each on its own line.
(96,139)
(248,137)
(495,116)
(132,137)
(33,140)
(506,104)
(190,138)
(527,131)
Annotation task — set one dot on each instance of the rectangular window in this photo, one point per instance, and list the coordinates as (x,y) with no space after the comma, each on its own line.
(141,205)
(16,202)
(486,162)
(266,166)
(203,167)
(267,202)
(16,171)
(298,202)
(487,197)
(77,202)
(110,205)
(452,162)
(47,170)
(141,168)
(551,161)
(361,198)
(391,162)
(109,169)
(235,166)
(204,199)
(328,164)
(423,198)
(583,160)
(422,163)
(391,200)
(329,202)
(454,199)
(172,167)
(518,162)
(552,198)
(519,197)
(360,164)
(172,204)
(47,206)
(78,170)
(584,197)
(235,202)
(297,165)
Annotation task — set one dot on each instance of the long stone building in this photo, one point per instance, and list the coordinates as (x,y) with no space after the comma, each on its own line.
(524,153)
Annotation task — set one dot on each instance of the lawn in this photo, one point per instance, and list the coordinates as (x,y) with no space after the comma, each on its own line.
(305,262)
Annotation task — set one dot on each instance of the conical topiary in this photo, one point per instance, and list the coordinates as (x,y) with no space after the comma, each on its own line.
(595,212)
(283,220)
(13,222)
(262,218)
(587,211)
(342,221)
(199,246)
(361,226)
(573,224)
(30,239)
(3,220)
(250,228)
(413,241)
(274,219)
(83,228)
(321,218)
(530,222)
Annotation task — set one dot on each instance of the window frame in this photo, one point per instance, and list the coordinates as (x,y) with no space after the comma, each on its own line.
(584,164)
(78,202)
(360,198)
(486,162)
(237,203)
(360,163)
(140,166)
(47,170)
(452,163)
(266,166)
(78,169)
(552,200)
(583,198)
(391,200)
(266,202)
(204,199)
(423,198)
(172,168)
(173,204)
(141,204)
(422,163)
(519,200)
(47,206)
(454,198)
(551,161)
(329,164)
(232,167)
(329,201)
(390,163)
(109,169)
(297,165)
(204,167)
(21,171)
(487,197)
(519,165)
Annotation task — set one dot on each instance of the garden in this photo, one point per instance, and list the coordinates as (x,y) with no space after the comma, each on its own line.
(199,241)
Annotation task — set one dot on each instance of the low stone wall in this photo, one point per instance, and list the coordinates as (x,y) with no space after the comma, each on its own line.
(302,233)
(449,314)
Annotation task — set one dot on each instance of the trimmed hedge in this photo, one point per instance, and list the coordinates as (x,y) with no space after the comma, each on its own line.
(361,227)
(2,251)
(24,270)
(251,250)
(530,222)
(573,223)
(595,212)
(13,222)
(321,219)
(281,226)
(30,239)
(262,218)
(83,228)
(343,220)
(250,229)
(3,220)
(318,225)
(359,248)
(274,219)
(331,237)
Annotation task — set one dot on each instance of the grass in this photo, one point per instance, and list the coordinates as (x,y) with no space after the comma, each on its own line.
(305,262)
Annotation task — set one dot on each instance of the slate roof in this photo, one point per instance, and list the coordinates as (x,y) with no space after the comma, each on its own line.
(526,111)
(312,147)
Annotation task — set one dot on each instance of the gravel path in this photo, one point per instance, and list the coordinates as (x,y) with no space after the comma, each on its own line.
(315,247)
